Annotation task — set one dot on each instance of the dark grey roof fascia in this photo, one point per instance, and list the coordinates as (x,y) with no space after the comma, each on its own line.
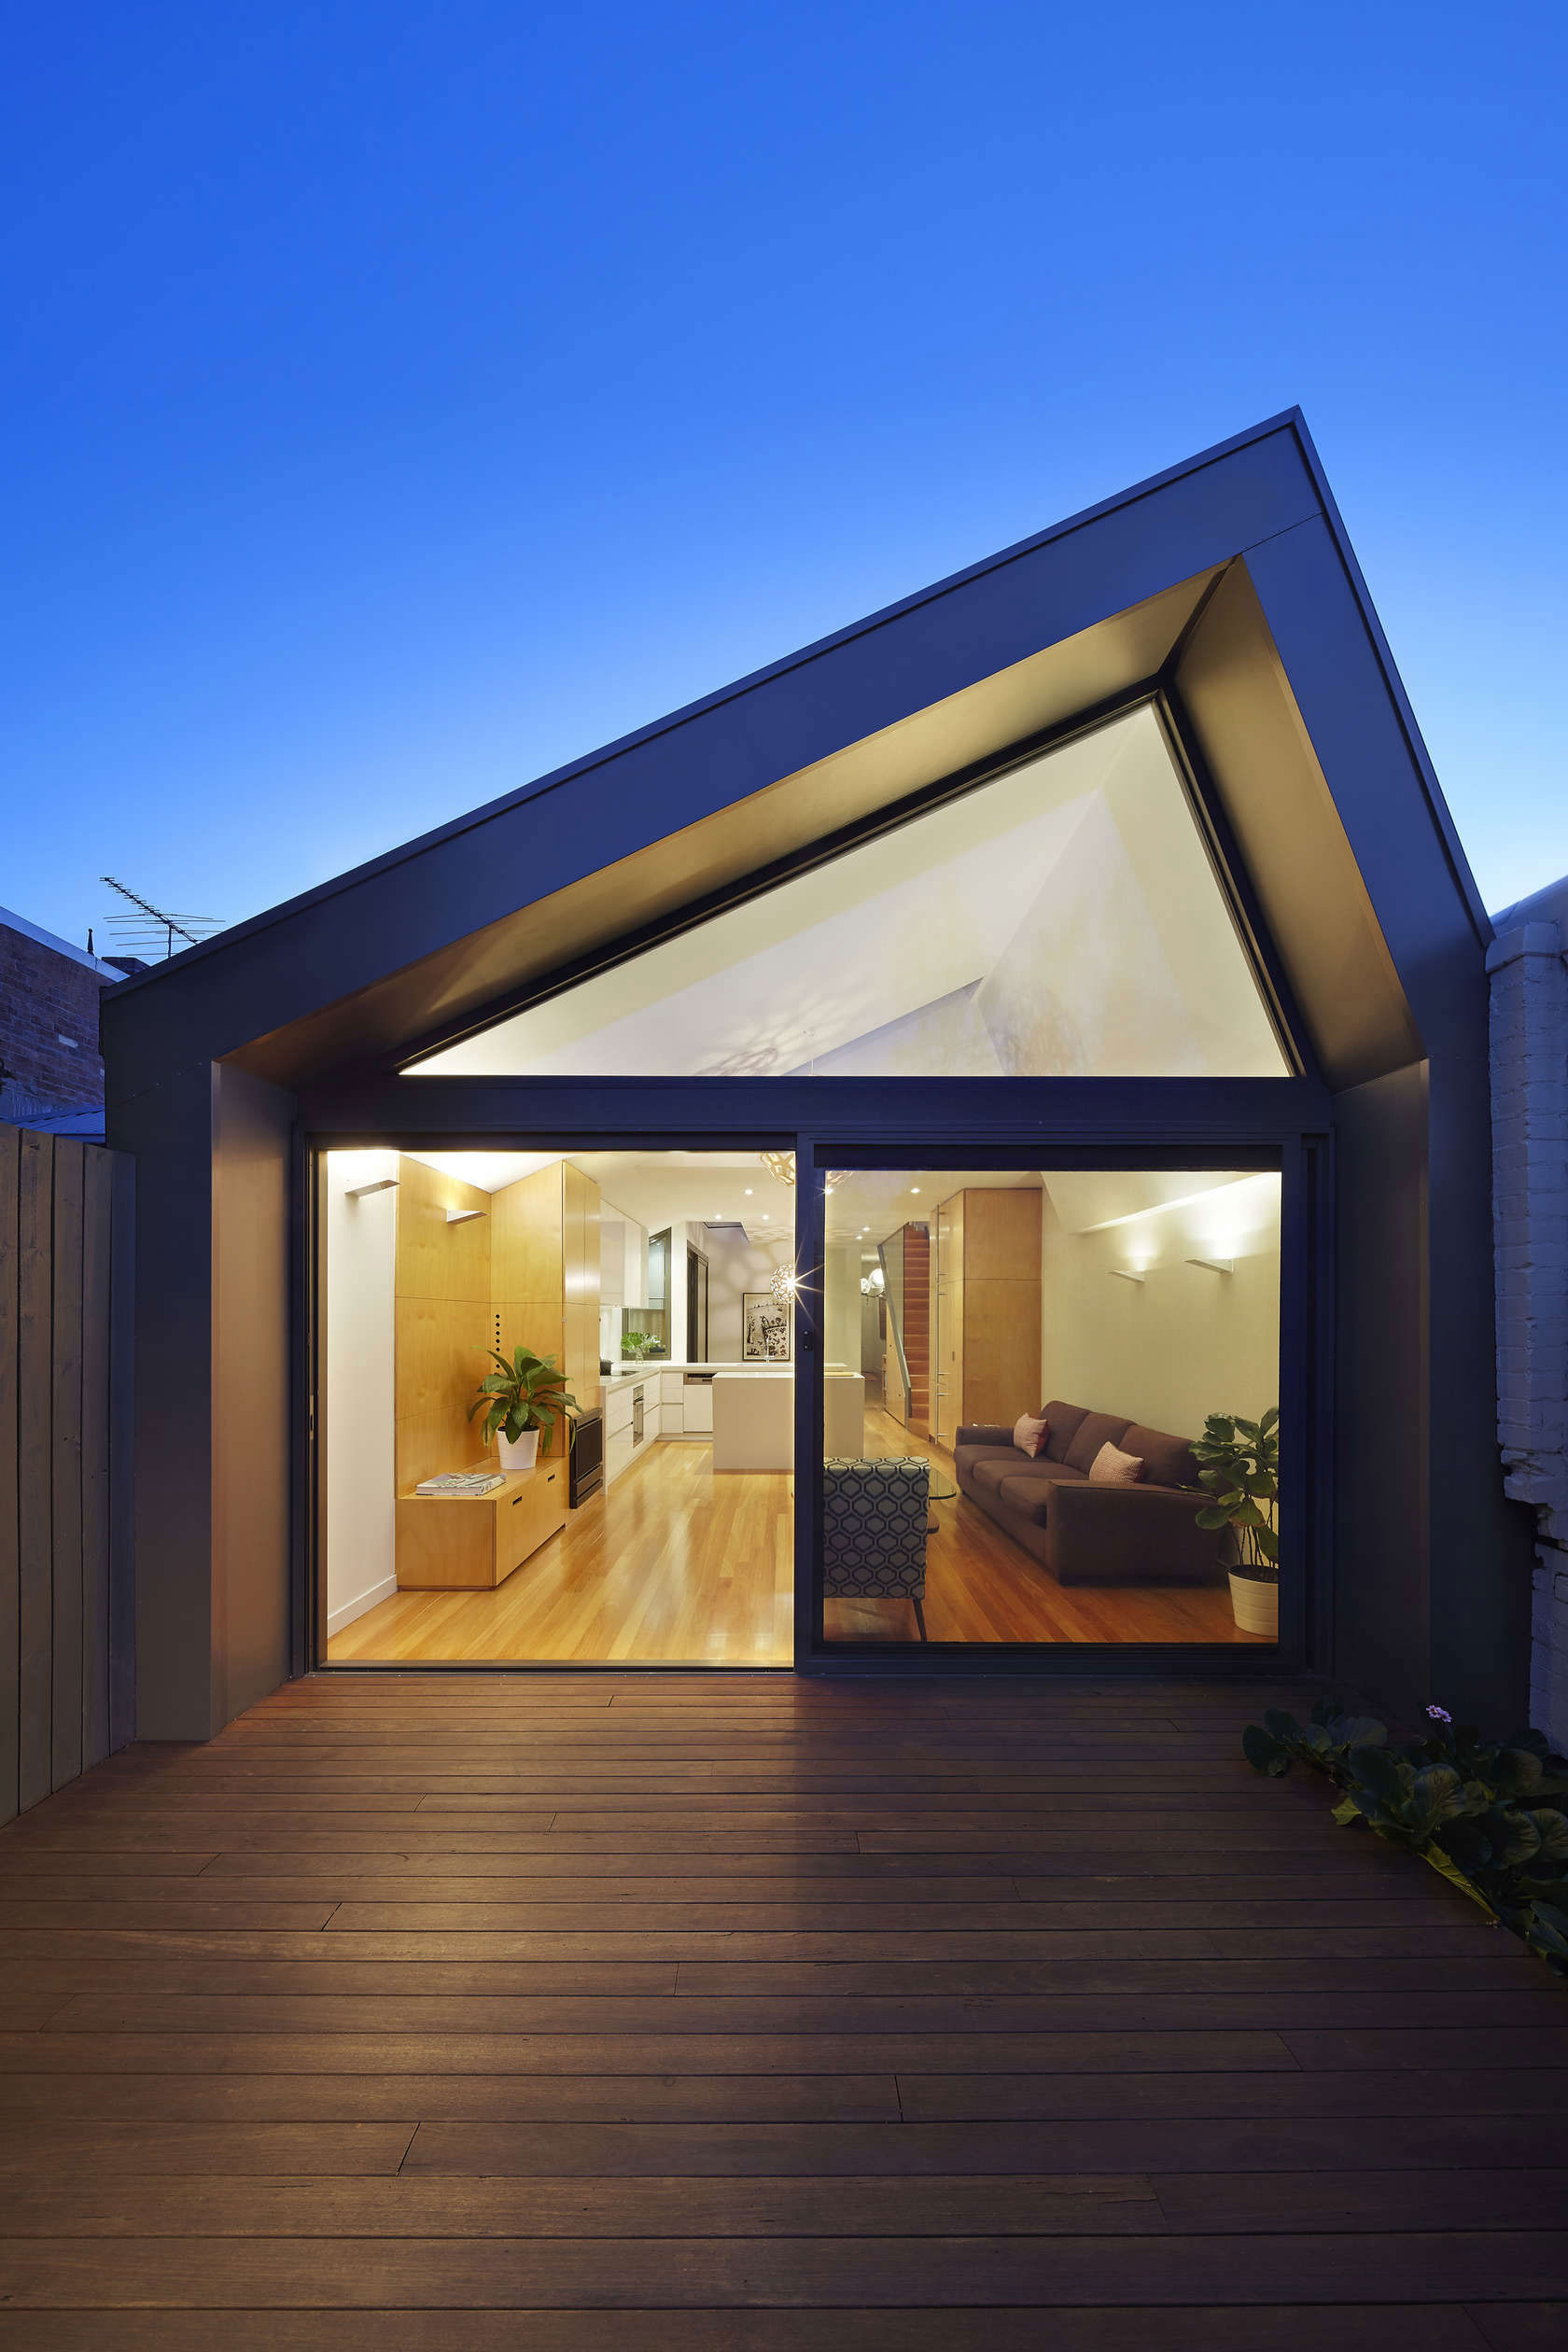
(1464,881)
(1289,420)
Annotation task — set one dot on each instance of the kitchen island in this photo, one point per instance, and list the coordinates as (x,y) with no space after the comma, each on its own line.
(660,1399)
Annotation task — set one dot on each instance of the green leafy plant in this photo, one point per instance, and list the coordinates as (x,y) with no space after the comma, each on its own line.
(1239,1462)
(637,1346)
(1491,1814)
(528,1392)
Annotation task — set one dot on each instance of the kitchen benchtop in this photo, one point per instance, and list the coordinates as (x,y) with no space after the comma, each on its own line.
(626,1376)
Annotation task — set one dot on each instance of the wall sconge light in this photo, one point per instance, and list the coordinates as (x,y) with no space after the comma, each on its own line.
(382,1183)
(1124,1274)
(1215,1266)
(461,1216)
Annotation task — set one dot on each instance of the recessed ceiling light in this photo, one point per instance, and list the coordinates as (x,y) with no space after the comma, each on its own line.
(747,1192)
(914,1188)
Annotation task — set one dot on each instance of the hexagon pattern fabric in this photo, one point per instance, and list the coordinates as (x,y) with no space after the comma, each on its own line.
(873,1529)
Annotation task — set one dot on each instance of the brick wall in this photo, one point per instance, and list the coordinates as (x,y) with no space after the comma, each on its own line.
(46,998)
(1529,1226)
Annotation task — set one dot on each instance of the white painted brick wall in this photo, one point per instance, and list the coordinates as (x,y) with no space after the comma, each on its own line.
(1529,1230)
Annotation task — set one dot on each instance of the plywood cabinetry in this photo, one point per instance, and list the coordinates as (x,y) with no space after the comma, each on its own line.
(441,1320)
(545,1276)
(522,1272)
(984,1293)
(448,1545)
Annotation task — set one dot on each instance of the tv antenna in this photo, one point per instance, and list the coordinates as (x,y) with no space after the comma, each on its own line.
(149,928)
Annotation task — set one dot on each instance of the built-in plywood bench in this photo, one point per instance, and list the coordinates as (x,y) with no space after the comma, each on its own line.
(473,1543)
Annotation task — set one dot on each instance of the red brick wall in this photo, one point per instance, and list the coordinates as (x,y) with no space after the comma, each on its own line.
(46,997)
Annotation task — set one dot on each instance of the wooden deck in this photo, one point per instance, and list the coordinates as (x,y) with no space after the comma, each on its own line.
(741,2014)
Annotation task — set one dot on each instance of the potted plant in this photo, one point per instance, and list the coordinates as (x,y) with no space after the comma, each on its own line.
(638,1346)
(1239,1462)
(518,1400)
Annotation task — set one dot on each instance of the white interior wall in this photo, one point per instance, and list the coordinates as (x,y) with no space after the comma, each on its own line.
(360,1474)
(841,1306)
(871,1335)
(1183,1343)
(735,1266)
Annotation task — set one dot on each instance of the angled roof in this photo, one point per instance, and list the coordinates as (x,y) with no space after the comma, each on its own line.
(1226,583)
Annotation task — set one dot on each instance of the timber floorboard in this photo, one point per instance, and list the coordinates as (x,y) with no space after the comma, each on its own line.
(673,1564)
(749,2014)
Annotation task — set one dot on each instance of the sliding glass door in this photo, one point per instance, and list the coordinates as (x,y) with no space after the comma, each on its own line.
(1063,1407)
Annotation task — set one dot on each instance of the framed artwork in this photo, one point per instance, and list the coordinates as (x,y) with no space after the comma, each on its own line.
(765,1328)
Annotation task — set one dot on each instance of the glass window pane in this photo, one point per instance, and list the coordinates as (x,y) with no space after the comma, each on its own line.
(1062,920)
(627,1497)
(1031,1359)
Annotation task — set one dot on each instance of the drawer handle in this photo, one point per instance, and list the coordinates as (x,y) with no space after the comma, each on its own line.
(515,1500)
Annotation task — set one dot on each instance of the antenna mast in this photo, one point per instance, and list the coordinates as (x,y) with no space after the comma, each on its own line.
(142,929)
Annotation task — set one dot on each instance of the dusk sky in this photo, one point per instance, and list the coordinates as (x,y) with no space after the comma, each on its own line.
(402,399)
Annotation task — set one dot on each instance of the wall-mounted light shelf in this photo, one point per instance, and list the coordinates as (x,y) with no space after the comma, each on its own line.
(1215,1266)
(382,1183)
(1124,1274)
(461,1216)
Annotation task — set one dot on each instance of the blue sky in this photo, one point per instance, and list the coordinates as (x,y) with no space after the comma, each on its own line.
(399,400)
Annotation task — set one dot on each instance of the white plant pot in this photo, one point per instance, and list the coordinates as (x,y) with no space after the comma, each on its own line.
(521,1453)
(1255,1606)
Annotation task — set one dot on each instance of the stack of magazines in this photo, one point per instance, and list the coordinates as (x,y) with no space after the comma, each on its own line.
(462,1482)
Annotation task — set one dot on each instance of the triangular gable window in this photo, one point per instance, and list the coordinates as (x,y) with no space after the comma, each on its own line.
(1062,920)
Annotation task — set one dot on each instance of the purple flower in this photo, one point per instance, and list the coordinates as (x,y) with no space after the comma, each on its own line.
(1440,1714)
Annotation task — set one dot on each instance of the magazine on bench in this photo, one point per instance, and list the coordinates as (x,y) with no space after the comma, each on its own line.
(463,1483)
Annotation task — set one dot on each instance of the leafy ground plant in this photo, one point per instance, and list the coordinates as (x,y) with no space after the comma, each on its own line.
(1491,1814)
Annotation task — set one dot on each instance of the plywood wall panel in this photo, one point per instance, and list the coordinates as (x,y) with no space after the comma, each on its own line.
(434,1259)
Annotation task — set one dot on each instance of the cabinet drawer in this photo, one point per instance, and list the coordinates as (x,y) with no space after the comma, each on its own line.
(618,1411)
(671,1385)
(528,1519)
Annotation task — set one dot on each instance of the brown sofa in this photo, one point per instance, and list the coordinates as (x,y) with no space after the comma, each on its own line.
(1081,1533)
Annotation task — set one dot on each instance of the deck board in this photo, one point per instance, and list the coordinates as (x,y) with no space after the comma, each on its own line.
(745,2015)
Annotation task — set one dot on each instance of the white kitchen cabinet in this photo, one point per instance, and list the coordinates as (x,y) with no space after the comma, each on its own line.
(671,1387)
(613,1229)
(633,1264)
(698,1408)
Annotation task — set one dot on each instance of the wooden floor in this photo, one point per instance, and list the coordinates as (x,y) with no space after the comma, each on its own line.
(675,1565)
(607,2014)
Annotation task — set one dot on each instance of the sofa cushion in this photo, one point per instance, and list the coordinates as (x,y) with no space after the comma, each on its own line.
(987,1474)
(1029,1433)
(965,1458)
(1030,1497)
(1113,1468)
(1063,1419)
(1167,1460)
(1094,1431)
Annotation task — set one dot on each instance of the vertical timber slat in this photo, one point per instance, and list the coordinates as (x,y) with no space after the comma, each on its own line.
(67,1625)
(11,1588)
(65,1461)
(96,1340)
(34,1323)
(121,1417)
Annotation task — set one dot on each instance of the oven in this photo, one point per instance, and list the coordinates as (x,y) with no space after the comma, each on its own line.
(586,1473)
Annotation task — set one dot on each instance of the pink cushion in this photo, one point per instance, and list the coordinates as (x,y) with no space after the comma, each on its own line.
(1030,1433)
(1111,1467)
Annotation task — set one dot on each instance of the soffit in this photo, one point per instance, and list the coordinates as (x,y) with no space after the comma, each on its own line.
(462,983)
(1263,768)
